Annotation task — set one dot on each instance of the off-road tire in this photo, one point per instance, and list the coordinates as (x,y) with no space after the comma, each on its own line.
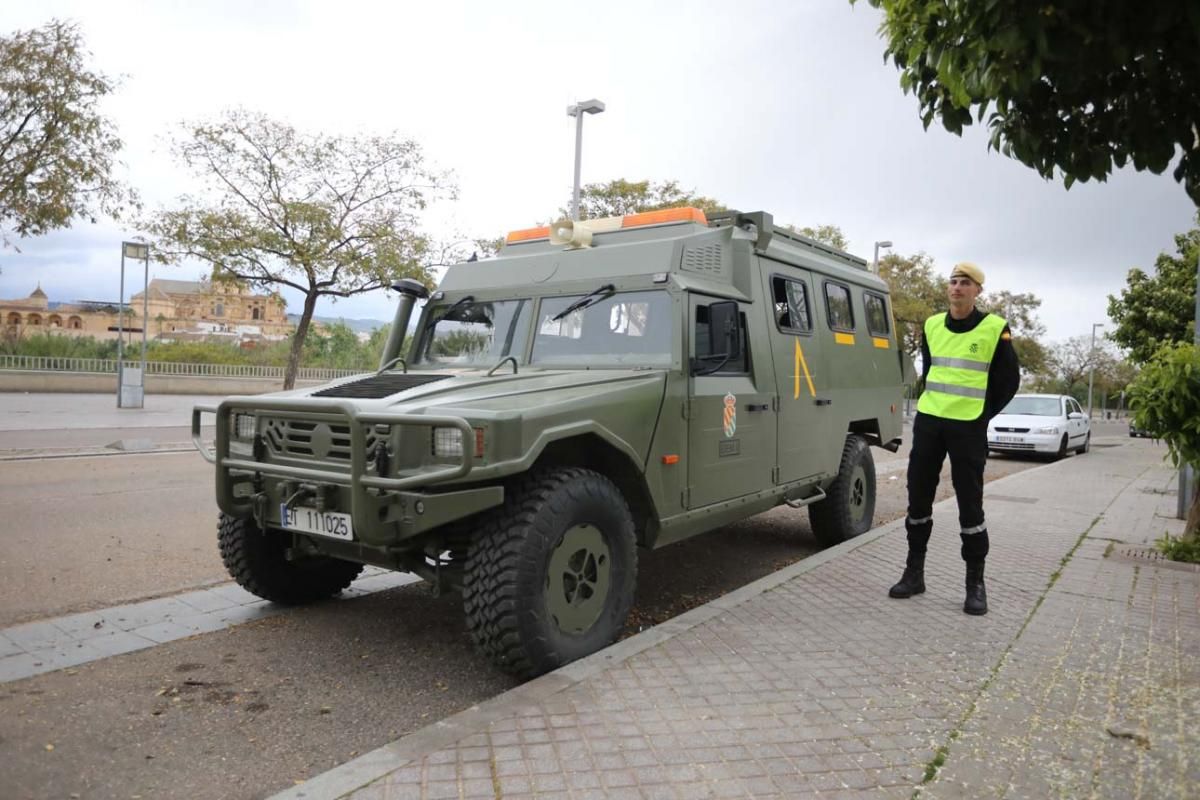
(849,507)
(1087,444)
(255,559)
(508,583)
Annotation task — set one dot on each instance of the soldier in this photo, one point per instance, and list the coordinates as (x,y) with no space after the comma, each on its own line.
(971,372)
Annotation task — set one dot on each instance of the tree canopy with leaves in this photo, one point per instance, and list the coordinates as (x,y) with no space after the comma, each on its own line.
(1076,86)
(57,151)
(825,234)
(620,197)
(1154,310)
(328,216)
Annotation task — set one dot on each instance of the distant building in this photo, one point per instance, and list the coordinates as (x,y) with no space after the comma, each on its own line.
(175,310)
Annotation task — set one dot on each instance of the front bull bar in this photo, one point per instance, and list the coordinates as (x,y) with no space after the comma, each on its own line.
(308,409)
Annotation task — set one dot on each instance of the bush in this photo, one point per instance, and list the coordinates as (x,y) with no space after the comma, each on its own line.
(1179,549)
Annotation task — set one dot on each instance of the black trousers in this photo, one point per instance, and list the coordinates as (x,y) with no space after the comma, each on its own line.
(966,443)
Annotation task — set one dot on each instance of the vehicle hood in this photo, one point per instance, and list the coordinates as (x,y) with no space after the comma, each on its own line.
(521,392)
(1024,421)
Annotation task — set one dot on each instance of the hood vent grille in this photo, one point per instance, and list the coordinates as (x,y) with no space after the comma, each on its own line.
(377,386)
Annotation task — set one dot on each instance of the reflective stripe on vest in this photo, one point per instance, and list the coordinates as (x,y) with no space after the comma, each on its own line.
(956,385)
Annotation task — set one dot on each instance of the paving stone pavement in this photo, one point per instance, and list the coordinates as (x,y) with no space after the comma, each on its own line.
(1082,681)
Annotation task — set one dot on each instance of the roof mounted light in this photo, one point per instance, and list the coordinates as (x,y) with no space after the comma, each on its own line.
(567,232)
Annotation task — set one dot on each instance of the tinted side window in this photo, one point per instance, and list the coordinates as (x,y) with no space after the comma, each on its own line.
(791,304)
(738,363)
(877,318)
(837,304)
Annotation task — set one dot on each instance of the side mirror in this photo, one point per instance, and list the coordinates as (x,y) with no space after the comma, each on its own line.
(1074,415)
(724,331)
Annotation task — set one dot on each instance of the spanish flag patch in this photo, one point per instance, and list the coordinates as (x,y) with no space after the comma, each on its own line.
(1006,336)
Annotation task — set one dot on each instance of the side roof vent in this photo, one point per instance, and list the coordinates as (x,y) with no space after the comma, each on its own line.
(706,260)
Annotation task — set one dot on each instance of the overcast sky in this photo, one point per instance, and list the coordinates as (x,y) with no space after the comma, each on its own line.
(780,106)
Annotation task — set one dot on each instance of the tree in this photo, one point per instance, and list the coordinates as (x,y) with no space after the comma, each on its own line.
(620,197)
(1161,309)
(1074,85)
(57,152)
(328,216)
(1071,361)
(1165,399)
(916,293)
(825,234)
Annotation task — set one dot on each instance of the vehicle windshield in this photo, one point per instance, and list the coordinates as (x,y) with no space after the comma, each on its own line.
(631,328)
(1035,406)
(475,334)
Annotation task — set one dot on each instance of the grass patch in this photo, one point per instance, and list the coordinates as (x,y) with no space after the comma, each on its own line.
(1179,549)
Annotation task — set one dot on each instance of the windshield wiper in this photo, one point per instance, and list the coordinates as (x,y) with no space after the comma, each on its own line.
(462,301)
(585,301)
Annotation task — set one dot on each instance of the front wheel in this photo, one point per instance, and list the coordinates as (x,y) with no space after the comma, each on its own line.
(1087,444)
(1062,449)
(849,507)
(551,575)
(257,560)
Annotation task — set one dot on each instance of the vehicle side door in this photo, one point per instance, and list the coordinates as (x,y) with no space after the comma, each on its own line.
(731,426)
(798,361)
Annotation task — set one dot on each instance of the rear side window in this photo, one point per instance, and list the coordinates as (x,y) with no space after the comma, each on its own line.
(791,305)
(877,318)
(837,306)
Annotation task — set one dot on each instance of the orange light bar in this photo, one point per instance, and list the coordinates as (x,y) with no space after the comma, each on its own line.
(528,234)
(685,214)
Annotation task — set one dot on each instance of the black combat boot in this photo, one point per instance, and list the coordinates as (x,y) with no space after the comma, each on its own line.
(976,602)
(913,580)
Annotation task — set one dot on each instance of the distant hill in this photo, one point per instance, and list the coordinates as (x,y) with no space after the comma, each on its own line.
(356,325)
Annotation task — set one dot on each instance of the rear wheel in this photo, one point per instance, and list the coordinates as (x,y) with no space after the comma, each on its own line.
(257,561)
(849,508)
(551,575)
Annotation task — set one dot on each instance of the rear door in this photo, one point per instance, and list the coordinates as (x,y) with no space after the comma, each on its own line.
(803,416)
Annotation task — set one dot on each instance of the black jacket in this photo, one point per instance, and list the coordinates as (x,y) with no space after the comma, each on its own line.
(1004,373)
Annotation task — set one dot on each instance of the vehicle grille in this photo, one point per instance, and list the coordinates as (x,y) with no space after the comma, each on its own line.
(1011,430)
(378,386)
(319,441)
(1010,446)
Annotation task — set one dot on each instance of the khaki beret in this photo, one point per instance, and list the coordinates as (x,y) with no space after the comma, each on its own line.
(965,269)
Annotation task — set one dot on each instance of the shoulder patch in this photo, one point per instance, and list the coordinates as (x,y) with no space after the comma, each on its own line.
(1006,336)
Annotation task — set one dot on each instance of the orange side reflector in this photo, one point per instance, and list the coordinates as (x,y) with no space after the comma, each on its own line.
(529,233)
(479,442)
(685,214)
(670,459)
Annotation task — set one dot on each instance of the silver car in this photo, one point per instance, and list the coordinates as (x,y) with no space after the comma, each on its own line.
(1051,424)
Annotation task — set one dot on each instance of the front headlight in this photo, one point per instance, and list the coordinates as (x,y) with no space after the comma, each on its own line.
(244,426)
(447,442)
(1053,430)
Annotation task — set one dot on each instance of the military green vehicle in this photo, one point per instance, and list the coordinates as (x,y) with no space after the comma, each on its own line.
(596,388)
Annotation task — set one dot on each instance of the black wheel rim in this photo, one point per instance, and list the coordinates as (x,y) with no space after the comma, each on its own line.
(858,494)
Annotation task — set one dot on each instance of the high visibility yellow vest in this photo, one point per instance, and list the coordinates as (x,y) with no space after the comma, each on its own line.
(956,385)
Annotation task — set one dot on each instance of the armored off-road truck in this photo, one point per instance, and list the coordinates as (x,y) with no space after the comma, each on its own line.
(595,388)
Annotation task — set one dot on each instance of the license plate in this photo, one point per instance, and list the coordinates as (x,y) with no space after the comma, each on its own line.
(1011,439)
(323,523)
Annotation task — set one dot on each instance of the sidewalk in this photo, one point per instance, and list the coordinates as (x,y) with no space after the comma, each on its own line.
(1082,681)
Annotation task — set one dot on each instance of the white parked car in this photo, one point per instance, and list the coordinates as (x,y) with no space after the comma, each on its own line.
(1040,423)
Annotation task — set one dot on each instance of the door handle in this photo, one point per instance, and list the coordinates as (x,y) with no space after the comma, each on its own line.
(757,406)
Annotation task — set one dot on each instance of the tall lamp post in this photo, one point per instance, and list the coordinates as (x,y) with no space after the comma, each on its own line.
(577,111)
(1092,365)
(875,261)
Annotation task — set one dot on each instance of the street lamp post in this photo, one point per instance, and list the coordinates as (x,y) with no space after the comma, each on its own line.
(577,111)
(875,261)
(1092,365)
